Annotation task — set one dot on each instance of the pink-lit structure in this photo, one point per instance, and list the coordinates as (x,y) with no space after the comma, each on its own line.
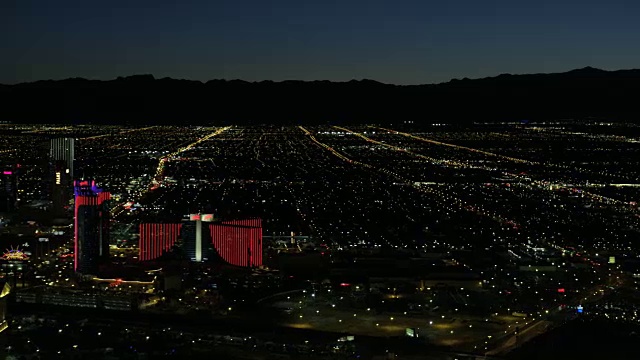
(156,239)
(238,242)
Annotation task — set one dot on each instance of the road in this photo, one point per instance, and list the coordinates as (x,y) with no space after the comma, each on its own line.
(536,328)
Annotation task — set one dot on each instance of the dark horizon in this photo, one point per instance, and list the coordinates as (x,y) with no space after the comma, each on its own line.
(143,99)
(585,69)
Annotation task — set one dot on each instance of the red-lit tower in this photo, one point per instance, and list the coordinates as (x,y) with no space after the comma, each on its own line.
(91,226)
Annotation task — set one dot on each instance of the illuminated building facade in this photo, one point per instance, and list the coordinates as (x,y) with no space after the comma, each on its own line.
(195,241)
(62,149)
(60,189)
(237,242)
(155,239)
(91,226)
(13,265)
(8,189)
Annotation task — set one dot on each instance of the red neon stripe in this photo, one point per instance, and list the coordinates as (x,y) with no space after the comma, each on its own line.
(143,244)
(154,238)
(158,243)
(148,240)
(149,233)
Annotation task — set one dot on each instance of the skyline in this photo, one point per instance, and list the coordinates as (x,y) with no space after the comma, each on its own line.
(204,81)
(398,43)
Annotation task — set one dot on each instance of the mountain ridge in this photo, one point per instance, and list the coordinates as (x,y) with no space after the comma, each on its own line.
(145,99)
(587,70)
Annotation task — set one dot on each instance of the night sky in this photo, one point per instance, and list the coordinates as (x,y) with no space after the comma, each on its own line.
(399,41)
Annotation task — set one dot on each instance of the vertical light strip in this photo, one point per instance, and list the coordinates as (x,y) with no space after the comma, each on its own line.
(198,240)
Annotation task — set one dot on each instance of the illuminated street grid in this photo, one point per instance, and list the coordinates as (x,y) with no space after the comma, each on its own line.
(526,216)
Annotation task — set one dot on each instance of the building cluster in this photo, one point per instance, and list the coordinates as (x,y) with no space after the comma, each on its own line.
(454,233)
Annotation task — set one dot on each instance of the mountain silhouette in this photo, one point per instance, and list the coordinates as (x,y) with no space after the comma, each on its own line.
(143,99)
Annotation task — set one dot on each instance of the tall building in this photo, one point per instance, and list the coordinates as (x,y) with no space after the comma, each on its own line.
(8,189)
(60,189)
(63,149)
(196,242)
(91,226)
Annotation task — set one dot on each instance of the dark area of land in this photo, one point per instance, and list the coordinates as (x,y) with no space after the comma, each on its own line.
(259,324)
(142,99)
(584,339)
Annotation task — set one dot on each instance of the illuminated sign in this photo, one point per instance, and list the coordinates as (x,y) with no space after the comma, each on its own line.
(201,217)
(580,308)
(410,332)
(57,178)
(7,172)
(561,290)
(612,259)
(14,254)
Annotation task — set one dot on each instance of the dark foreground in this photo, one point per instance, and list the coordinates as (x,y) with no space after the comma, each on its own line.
(584,339)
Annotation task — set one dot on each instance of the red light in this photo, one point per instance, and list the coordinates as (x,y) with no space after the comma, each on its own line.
(561,290)
(156,238)
(238,242)
(345,284)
